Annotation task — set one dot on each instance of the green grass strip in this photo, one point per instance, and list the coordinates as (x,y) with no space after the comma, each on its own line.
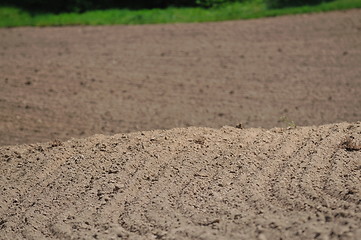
(14,17)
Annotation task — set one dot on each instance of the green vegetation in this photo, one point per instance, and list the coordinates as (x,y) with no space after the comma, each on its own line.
(13,16)
(57,6)
(290,3)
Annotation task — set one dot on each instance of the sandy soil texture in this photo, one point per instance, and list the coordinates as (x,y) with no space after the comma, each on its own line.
(193,183)
(60,86)
(58,83)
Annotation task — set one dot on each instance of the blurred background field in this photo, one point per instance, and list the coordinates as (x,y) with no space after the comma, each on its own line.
(94,12)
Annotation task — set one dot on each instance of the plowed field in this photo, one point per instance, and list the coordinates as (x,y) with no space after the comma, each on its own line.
(200,179)
(58,83)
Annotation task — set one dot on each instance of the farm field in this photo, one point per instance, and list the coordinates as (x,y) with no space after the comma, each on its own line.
(58,83)
(231,130)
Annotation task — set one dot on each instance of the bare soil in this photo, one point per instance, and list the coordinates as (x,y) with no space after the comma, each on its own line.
(60,86)
(58,83)
(186,183)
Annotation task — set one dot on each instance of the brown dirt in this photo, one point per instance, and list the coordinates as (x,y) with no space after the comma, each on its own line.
(192,183)
(58,83)
(184,183)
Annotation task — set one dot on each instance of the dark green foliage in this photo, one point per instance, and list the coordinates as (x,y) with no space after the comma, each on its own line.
(84,5)
(212,3)
(292,3)
(58,6)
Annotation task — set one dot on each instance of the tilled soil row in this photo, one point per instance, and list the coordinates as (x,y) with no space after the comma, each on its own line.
(192,183)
